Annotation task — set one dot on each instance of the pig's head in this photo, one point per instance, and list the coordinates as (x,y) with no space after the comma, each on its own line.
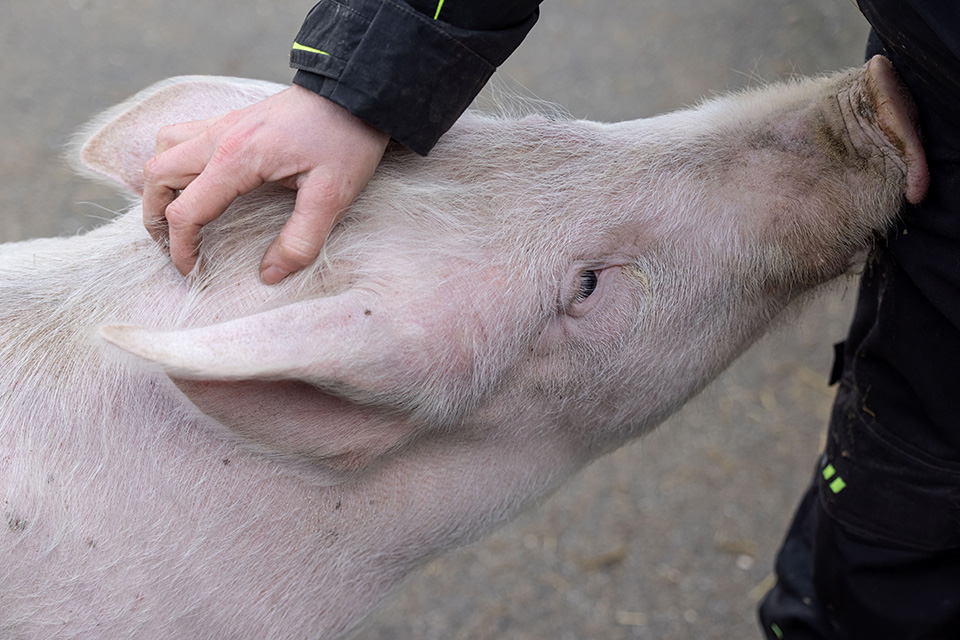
(530,278)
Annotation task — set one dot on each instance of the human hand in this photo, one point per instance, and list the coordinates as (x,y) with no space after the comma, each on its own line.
(296,138)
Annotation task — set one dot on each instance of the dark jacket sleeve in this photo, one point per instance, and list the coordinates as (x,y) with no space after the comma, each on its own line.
(408,68)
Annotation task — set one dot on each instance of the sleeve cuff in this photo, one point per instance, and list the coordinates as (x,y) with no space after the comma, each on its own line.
(395,68)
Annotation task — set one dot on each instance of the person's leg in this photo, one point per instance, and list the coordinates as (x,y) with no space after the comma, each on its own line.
(873,550)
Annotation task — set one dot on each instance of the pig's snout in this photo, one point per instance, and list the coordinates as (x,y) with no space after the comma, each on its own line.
(878,106)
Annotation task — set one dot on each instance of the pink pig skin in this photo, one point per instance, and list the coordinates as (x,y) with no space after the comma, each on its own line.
(268,462)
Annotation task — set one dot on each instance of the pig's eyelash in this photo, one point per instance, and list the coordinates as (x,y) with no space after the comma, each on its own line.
(588,284)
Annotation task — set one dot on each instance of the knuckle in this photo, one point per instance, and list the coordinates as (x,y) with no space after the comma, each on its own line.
(153,170)
(230,118)
(233,152)
(324,193)
(232,131)
(296,252)
(178,217)
(223,124)
(232,144)
(166,137)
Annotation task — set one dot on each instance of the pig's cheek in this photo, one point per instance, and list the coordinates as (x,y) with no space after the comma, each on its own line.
(552,335)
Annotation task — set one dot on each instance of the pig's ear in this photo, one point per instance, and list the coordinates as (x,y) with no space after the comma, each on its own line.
(314,340)
(325,379)
(118,143)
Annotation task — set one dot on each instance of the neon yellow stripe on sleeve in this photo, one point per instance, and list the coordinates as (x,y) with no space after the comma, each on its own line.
(299,47)
(439,6)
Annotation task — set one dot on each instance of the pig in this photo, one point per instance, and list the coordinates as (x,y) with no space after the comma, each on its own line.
(210,457)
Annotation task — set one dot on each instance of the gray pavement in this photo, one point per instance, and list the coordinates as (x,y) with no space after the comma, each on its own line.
(669,538)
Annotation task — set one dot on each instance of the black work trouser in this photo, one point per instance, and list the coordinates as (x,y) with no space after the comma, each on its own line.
(872,552)
(874,548)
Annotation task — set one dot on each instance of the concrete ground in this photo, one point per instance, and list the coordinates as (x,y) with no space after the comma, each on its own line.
(666,539)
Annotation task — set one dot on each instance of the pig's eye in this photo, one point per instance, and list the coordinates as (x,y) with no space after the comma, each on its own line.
(588,284)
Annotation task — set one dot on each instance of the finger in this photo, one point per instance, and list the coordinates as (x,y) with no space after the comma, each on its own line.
(316,211)
(175,134)
(201,201)
(165,175)
(182,152)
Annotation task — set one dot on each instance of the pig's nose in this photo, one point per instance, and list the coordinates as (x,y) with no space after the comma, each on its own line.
(896,115)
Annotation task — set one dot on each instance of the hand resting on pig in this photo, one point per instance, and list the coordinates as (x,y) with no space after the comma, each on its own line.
(329,156)
(262,461)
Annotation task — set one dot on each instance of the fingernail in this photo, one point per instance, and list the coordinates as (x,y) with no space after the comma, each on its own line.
(273,274)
